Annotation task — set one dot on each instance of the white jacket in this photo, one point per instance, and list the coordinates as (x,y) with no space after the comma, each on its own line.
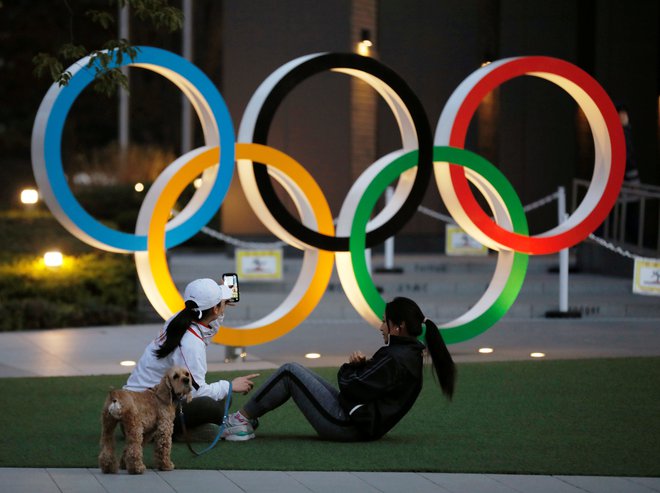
(190,354)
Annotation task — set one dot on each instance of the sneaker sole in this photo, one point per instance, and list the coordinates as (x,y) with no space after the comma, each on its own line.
(239,438)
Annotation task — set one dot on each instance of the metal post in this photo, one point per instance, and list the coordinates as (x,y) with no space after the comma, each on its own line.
(389,243)
(563,311)
(123,93)
(563,254)
(186,107)
(641,222)
(388,266)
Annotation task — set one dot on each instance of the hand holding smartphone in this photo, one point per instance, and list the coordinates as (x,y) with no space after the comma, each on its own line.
(230,279)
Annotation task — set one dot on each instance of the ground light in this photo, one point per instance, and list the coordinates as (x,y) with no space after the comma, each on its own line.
(312,356)
(53,259)
(486,350)
(127,362)
(29,196)
(537,355)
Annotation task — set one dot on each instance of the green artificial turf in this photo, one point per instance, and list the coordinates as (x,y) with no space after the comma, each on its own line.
(584,417)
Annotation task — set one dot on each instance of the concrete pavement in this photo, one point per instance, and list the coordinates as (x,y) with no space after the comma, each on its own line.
(92,481)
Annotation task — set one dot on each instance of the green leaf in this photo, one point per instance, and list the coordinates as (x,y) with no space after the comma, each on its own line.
(69,51)
(104,19)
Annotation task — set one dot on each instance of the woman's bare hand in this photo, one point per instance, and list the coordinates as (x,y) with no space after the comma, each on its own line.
(243,384)
(357,357)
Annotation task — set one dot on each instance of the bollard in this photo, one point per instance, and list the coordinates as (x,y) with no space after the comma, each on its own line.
(563,311)
(389,245)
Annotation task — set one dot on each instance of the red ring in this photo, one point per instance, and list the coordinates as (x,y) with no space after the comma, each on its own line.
(535,244)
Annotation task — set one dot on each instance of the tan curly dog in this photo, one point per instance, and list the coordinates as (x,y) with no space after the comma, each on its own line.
(143,415)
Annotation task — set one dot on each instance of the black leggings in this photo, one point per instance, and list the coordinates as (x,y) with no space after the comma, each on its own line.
(316,398)
(199,411)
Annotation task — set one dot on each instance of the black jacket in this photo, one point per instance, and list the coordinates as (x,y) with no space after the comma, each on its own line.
(386,386)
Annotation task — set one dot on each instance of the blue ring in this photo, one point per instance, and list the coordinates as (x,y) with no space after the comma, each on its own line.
(53,152)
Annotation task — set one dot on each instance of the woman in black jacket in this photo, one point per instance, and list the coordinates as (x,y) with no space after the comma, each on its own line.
(374,394)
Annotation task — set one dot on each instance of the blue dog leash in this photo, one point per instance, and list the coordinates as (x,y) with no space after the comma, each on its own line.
(220,430)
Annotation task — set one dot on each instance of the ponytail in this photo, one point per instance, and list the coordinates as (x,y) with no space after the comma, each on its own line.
(177,328)
(444,366)
(401,310)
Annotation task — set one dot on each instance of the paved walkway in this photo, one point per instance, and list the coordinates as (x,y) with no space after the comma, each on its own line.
(92,481)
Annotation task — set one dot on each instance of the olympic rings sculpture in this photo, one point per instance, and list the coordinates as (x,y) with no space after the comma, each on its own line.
(420,157)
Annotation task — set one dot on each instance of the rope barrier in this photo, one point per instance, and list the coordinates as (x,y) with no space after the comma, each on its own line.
(435,215)
(448,219)
(541,202)
(617,249)
(253,245)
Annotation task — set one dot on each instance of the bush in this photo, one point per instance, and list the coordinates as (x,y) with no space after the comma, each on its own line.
(89,289)
(34,232)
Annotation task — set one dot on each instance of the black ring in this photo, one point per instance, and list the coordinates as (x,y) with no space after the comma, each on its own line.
(424,139)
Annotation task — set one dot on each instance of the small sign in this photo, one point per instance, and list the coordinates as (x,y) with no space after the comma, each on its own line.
(458,242)
(646,278)
(259,265)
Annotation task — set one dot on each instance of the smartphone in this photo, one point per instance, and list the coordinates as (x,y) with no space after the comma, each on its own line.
(230,279)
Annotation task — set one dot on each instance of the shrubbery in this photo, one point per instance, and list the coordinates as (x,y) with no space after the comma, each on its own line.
(91,288)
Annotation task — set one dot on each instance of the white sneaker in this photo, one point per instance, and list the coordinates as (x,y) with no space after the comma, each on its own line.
(237,428)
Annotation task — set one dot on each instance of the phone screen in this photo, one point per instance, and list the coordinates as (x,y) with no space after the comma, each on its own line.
(231,281)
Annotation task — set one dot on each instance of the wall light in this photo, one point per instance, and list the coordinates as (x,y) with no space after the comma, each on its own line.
(53,259)
(29,196)
(127,362)
(537,355)
(312,356)
(197,183)
(139,187)
(365,43)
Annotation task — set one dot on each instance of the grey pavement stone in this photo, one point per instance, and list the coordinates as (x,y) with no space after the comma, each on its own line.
(397,482)
(199,481)
(331,482)
(474,483)
(537,484)
(25,480)
(601,484)
(266,482)
(149,482)
(651,483)
(76,480)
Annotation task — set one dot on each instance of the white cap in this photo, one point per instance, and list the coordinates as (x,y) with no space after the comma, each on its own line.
(206,293)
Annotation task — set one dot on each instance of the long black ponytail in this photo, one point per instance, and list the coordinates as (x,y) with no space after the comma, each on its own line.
(178,327)
(444,366)
(401,310)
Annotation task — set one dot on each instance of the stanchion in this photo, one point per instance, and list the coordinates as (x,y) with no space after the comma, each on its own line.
(389,268)
(563,311)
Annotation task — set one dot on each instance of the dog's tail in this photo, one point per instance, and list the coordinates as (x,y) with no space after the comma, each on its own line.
(114,407)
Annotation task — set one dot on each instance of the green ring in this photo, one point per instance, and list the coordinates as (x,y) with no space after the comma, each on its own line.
(376,188)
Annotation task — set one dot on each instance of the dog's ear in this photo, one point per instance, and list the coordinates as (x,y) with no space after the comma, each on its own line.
(164,389)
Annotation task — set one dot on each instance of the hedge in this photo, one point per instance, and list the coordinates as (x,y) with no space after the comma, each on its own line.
(88,289)
(91,288)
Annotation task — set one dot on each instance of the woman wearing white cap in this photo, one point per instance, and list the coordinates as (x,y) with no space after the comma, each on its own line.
(183,342)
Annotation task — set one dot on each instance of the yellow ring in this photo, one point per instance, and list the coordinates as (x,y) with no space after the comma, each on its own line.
(297,176)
